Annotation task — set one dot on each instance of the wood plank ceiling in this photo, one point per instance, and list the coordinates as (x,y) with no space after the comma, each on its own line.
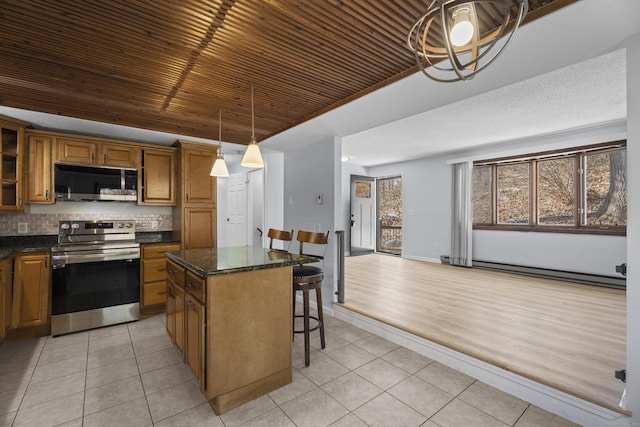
(170,65)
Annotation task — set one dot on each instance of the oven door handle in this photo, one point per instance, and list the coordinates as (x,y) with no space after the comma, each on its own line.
(85,258)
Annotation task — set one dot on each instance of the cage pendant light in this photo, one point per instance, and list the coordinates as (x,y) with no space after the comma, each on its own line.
(252,157)
(452,40)
(219,166)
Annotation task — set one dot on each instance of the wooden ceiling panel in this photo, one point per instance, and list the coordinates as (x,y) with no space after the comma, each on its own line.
(170,65)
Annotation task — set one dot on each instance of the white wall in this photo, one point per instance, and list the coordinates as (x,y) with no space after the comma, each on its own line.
(348,169)
(274,192)
(309,171)
(633,229)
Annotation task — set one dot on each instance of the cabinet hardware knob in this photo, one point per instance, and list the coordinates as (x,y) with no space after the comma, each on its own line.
(93,157)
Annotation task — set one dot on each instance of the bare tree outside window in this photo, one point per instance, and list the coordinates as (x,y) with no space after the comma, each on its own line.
(390,214)
(513,193)
(556,191)
(481,198)
(606,182)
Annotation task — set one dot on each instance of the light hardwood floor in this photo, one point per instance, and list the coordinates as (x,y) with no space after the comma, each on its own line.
(564,335)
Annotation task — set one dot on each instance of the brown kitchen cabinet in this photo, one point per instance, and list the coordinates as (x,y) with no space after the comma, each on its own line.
(31,284)
(154,277)
(175,304)
(11,164)
(158,178)
(6,273)
(39,171)
(194,346)
(85,151)
(195,215)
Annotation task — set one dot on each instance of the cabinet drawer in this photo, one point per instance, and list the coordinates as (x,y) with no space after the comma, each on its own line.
(157,251)
(154,293)
(195,286)
(175,273)
(154,270)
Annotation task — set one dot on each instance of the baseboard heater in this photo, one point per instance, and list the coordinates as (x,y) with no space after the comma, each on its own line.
(547,273)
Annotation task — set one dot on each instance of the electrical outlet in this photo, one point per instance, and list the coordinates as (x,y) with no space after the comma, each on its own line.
(23,227)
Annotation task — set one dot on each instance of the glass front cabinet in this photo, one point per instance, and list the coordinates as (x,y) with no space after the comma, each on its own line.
(12,151)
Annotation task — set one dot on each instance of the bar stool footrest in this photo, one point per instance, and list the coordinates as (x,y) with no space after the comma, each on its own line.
(301,331)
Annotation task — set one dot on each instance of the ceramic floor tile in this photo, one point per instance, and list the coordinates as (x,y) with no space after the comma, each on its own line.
(104,343)
(494,402)
(297,353)
(6,419)
(420,395)
(65,340)
(254,409)
(151,344)
(59,353)
(174,400)
(51,413)
(200,416)
(376,345)
(351,356)
(322,370)
(111,373)
(332,342)
(10,399)
(134,413)
(448,379)
(535,417)
(299,385)
(73,423)
(273,418)
(382,373)
(351,390)
(45,391)
(349,420)
(109,356)
(112,394)
(100,333)
(352,334)
(385,410)
(151,361)
(315,408)
(166,377)
(406,359)
(21,350)
(15,380)
(460,414)
(60,369)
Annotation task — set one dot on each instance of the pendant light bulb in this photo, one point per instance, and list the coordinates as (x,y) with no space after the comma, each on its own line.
(252,157)
(219,166)
(462,31)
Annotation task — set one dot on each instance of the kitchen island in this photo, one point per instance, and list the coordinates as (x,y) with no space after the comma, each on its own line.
(230,311)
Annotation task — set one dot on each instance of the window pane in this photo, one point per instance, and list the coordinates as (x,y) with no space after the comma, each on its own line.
(513,194)
(556,192)
(481,187)
(606,185)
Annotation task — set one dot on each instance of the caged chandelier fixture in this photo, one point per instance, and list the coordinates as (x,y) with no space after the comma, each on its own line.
(456,39)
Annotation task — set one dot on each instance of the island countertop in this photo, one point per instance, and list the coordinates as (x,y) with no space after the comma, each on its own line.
(215,261)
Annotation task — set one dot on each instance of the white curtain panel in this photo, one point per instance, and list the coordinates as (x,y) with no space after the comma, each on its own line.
(461,214)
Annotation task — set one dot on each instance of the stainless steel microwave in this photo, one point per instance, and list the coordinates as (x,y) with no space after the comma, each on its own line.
(76,183)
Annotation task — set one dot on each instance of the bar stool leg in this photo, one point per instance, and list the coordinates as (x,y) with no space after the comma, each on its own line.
(307,349)
(320,315)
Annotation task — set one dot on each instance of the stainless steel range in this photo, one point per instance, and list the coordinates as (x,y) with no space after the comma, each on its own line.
(96,275)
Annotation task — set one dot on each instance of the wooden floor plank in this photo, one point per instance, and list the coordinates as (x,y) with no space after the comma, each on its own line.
(565,335)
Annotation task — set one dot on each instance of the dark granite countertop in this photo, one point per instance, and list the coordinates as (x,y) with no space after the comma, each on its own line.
(235,259)
(147,237)
(11,245)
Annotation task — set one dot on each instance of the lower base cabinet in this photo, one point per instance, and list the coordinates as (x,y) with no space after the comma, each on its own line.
(194,354)
(6,273)
(31,284)
(175,314)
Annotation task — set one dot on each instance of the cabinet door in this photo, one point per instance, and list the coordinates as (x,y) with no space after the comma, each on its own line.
(11,176)
(180,317)
(194,356)
(159,177)
(199,186)
(39,175)
(200,228)
(171,312)
(119,155)
(76,151)
(6,268)
(31,291)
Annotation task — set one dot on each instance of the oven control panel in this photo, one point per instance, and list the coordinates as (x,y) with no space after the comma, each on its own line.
(96,227)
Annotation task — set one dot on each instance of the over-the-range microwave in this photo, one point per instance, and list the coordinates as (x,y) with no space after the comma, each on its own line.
(77,183)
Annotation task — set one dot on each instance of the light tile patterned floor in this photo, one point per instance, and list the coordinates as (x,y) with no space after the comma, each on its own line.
(131,375)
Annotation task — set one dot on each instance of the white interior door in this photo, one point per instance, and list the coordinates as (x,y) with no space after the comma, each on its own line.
(237,210)
(363,230)
(256,207)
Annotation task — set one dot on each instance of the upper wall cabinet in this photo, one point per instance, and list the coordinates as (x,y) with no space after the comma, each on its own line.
(93,152)
(12,152)
(158,178)
(39,173)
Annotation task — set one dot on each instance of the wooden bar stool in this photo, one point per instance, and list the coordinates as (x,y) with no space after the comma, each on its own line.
(307,278)
(285,236)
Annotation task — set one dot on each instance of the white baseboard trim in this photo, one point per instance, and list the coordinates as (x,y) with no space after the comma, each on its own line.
(565,405)
(418,258)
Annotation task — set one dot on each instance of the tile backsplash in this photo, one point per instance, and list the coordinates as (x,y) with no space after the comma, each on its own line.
(47,223)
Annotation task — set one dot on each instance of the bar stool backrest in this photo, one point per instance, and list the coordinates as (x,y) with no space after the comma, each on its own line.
(315,238)
(285,236)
